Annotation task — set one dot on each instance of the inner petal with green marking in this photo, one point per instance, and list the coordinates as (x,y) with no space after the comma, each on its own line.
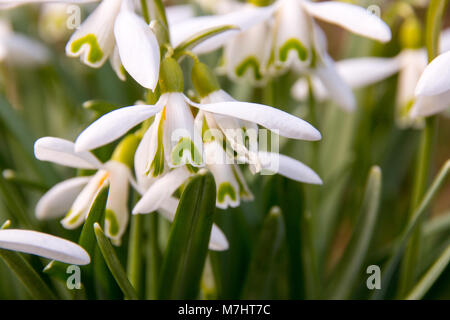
(186,152)
(113,224)
(297,46)
(224,190)
(249,63)
(95,52)
(157,164)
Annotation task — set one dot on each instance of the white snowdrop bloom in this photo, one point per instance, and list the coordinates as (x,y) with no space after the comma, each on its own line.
(433,89)
(171,141)
(114,23)
(360,72)
(292,25)
(44,245)
(74,197)
(54,21)
(19,50)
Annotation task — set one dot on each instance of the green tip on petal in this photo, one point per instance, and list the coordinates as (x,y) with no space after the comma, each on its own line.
(112,223)
(186,145)
(226,189)
(252,63)
(204,80)
(171,77)
(95,53)
(297,46)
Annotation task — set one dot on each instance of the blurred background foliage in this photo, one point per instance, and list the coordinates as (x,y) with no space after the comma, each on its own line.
(269,256)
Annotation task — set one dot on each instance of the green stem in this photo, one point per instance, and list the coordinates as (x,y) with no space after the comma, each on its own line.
(145,11)
(134,263)
(153,256)
(27,275)
(409,267)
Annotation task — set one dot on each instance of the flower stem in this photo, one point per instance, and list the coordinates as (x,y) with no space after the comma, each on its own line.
(145,11)
(409,266)
(135,263)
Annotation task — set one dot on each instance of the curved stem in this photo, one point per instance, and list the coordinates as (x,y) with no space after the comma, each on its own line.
(409,267)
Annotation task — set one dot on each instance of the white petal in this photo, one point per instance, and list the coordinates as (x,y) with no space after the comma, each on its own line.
(337,88)
(179,13)
(361,72)
(138,49)
(24,51)
(117,66)
(427,106)
(353,18)
(62,152)
(43,245)
(243,18)
(178,128)
(161,190)
(288,167)
(445,40)
(94,40)
(273,119)
(300,89)
(116,219)
(8,4)
(436,77)
(80,208)
(113,125)
(217,242)
(57,201)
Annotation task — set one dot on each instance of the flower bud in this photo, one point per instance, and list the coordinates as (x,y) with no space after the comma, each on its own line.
(171,76)
(411,33)
(204,80)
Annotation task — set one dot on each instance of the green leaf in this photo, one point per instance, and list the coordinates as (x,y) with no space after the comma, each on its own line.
(187,247)
(261,272)
(427,281)
(113,264)
(389,270)
(20,130)
(196,39)
(135,253)
(288,195)
(349,268)
(27,275)
(87,237)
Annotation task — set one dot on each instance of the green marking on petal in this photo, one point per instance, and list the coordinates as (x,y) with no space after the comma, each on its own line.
(73,218)
(113,224)
(95,53)
(226,189)
(157,165)
(242,189)
(250,62)
(185,144)
(293,44)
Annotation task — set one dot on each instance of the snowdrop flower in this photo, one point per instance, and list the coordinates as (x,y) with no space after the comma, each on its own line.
(357,73)
(74,197)
(114,23)
(171,141)
(53,21)
(19,50)
(433,89)
(291,22)
(44,245)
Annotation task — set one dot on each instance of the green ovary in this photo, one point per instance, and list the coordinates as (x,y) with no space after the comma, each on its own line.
(250,62)
(293,44)
(95,53)
(113,223)
(186,145)
(226,189)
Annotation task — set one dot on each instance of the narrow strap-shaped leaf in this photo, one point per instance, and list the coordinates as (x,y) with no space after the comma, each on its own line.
(190,43)
(27,275)
(260,275)
(17,126)
(187,247)
(135,253)
(349,268)
(391,265)
(288,195)
(427,281)
(113,263)
(87,238)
